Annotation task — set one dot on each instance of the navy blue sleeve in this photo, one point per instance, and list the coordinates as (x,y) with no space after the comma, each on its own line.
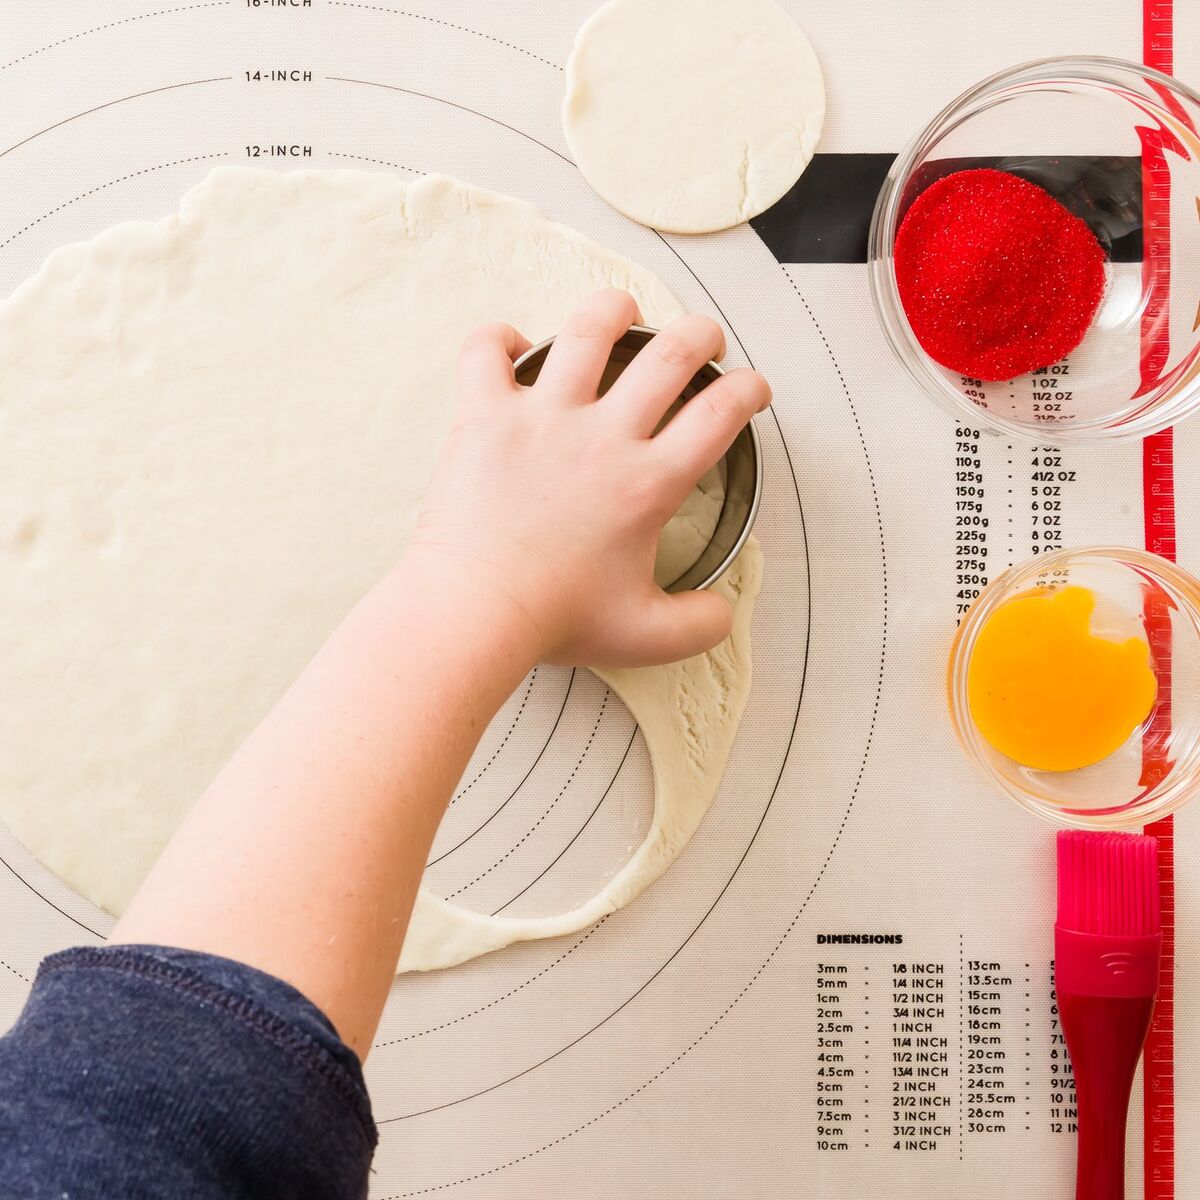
(145,1072)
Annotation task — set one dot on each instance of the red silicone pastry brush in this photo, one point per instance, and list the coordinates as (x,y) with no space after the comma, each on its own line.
(1107,945)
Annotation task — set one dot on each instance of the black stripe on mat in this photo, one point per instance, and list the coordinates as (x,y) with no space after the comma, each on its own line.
(825,217)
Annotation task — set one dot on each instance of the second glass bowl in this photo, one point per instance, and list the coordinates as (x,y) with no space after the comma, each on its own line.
(1116,143)
(1158,768)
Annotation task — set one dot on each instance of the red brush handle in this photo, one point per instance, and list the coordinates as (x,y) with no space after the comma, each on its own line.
(1104,1035)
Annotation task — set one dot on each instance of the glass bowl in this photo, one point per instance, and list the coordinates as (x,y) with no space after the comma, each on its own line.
(1116,143)
(1158,767)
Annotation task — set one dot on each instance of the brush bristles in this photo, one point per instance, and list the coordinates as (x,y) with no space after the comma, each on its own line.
(1108,883)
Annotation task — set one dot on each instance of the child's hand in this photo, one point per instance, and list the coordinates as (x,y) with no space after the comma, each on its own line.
(553,501)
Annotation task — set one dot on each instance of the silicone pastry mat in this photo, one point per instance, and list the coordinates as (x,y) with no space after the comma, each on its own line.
(675,1049)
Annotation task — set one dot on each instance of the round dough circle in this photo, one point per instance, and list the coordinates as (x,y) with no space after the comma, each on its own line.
(215,431)
(692,115)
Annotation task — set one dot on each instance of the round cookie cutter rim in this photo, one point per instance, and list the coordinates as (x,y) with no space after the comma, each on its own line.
(745,449)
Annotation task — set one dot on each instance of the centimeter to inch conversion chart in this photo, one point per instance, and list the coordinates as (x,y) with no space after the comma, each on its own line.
(923,1055)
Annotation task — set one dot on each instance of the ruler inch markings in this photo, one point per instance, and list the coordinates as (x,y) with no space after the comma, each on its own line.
(1158,488)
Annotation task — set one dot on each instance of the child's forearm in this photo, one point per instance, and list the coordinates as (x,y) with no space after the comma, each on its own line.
(329,809)
(537,539)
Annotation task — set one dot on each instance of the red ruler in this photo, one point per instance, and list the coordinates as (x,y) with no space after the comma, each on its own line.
(1158,486)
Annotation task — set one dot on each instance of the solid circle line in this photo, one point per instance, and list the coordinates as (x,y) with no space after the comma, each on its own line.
(169,87)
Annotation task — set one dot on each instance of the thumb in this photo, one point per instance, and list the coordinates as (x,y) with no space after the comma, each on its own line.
(674,627)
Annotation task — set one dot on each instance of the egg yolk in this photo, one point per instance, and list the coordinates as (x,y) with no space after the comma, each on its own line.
(1049,693)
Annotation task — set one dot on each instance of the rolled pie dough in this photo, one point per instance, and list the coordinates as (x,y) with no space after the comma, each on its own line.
(214,434)
(692,115)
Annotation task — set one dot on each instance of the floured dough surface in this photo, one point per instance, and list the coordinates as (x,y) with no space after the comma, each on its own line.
(214,434)
(690,530)
(692,115)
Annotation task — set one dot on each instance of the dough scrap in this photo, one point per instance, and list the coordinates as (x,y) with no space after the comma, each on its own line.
(692,115)
(230,415)
(689,714)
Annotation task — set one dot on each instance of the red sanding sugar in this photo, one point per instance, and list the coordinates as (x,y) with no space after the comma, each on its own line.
(996,277)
